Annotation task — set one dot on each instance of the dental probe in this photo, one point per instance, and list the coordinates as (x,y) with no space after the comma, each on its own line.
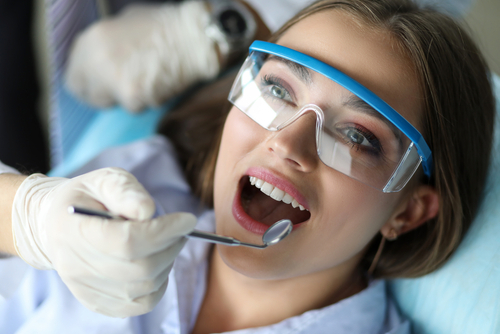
(274,234)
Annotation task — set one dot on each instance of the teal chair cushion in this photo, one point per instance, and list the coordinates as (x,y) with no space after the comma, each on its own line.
(106,129)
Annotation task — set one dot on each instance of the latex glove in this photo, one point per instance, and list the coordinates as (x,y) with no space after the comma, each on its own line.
(143,56)
(114,267)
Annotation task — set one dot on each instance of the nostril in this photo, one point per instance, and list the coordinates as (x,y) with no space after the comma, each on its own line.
(293,163)
(295,145)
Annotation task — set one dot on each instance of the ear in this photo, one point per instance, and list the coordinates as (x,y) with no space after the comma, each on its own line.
(420,206)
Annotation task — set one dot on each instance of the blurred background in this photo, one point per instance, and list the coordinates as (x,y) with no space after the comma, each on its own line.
(482,19)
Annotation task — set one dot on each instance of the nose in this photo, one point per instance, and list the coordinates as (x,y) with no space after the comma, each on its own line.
(296,143)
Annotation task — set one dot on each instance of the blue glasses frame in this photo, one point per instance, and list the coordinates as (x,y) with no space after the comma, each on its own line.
(356,88)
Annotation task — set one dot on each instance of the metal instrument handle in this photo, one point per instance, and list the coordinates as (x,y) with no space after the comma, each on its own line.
(218,239)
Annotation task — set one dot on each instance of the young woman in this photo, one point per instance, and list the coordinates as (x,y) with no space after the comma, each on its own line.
(361,121)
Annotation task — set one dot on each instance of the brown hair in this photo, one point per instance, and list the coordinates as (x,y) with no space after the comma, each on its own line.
(195,128)
(458,126)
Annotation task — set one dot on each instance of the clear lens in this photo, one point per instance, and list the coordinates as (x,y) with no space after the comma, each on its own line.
(351,136)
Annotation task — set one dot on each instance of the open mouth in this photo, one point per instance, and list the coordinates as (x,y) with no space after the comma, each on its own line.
(267,204)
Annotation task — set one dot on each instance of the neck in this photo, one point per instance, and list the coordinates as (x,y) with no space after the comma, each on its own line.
(234,301)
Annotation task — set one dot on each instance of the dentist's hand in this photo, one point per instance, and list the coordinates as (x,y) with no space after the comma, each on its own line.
(118,268)
(142,56)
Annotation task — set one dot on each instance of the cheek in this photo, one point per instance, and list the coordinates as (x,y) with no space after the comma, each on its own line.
(351,215)
(361,205)
(240,136)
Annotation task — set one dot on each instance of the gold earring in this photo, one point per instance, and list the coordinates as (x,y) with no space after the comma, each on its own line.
(392,235)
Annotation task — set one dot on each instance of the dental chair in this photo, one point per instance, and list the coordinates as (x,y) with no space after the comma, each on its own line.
(464,295)
(461,297)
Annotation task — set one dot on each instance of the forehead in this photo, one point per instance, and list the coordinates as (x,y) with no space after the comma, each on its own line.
(370,56)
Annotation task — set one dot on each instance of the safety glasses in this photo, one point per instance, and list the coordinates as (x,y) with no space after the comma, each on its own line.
(357,133)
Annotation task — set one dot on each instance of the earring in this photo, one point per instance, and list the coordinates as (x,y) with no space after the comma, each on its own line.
(392,235)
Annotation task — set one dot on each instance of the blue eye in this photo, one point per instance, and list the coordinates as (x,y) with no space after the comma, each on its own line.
(275,88)
(360,139)
(279,92)
(356,137)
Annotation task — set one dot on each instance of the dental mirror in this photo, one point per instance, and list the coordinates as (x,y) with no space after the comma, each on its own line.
(277,232)
(274,234)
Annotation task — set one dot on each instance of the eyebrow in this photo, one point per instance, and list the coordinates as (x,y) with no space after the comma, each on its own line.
(352,101)
(356,103)
(300,71)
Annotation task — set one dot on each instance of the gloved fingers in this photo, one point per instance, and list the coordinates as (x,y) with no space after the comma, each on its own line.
(144,55)
(139,305)
(122,287)
(75,81)
(29,209)
(141,289)
(134,240)
(148,302)
(129,94)
(120,192)
(117,305)
(106,267)
(95,93)
(139,78)
(91,85)
(92,90)
(108,296)
(81,199)
(74,76)
(143,304)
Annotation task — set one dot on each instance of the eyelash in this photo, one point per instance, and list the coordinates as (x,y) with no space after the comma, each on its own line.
(272,80)
(376,149)
(370,137)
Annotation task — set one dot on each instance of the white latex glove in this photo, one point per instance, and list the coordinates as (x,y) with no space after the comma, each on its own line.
(114,267)
(143,56)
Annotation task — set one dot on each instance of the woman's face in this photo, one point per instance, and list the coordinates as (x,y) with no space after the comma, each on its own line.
(341,214)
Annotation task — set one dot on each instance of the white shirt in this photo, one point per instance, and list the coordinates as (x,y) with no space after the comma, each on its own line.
(7,169)
(38,301)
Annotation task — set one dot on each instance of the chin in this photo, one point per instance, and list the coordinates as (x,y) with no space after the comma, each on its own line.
(265,264)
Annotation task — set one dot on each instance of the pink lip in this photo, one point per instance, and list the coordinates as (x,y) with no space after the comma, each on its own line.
(247,222)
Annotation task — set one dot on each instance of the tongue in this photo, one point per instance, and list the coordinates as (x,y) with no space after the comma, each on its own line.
(268,211)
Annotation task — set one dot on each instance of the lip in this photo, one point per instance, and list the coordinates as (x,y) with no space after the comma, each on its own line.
(247,222)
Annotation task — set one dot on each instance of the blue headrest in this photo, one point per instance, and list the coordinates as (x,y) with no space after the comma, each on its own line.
(108,128)
(464,295)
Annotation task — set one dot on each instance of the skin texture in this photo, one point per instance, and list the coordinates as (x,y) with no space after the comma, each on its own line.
(318,263)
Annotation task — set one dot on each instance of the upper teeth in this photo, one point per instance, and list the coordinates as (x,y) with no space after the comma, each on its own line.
(275,193)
